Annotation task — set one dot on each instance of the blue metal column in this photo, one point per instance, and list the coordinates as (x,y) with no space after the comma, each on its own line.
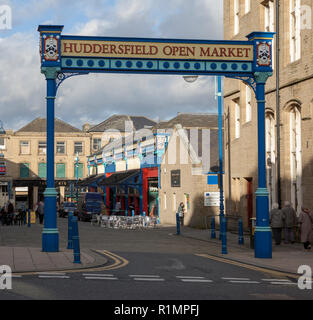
(140,192)
(220,148)
(126,201)
(50,233)
(263,233)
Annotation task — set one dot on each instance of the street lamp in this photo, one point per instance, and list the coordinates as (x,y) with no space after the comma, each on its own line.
(2,131)
(77,159)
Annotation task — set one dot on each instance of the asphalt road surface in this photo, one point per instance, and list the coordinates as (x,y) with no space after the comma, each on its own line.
(153,265)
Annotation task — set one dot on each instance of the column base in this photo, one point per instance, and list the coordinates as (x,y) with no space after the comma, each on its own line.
(263,243)
(50,240)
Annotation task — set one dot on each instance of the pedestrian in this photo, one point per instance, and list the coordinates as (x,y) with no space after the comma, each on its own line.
(41,211)
(10,212)
(306,221)
(290,221)
(181,213)
(276,221)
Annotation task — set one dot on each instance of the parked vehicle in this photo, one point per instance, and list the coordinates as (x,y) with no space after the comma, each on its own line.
(89,203)
(66,207)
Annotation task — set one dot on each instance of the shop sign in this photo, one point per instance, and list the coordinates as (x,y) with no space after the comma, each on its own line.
(175,178)
(212,199)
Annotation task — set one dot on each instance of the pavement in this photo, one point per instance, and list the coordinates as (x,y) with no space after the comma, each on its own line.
(20,249)
(285,257)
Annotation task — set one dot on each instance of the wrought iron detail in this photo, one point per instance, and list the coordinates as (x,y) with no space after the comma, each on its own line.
(250,81)
(63,76)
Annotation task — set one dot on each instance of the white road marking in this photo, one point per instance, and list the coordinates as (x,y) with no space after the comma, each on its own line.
(284,283)
(235,278)
(282,280)
(196,280)
(149,279)
(143,276)
(54,277)
(234,281)
(97,275)
(187,277)
(52,273)
(100,278)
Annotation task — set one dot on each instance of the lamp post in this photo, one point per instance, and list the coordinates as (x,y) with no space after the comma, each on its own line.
(77,159)
(223,230)
(2,131)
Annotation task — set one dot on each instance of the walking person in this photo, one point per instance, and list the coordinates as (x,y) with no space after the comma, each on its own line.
(181,213)
(290,221)
(306,221)
(41,211)
(276,221)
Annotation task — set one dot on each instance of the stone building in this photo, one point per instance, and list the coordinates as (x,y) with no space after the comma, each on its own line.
(153,169)
(25,157)
(295,108)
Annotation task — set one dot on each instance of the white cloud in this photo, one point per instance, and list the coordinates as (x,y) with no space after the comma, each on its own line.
(95,97)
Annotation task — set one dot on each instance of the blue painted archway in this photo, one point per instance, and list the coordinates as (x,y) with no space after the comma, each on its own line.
(64,56)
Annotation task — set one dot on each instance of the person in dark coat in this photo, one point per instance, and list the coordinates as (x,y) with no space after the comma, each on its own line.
(276,220)
(41,211)
(181,213)
(290,221)
(306,221)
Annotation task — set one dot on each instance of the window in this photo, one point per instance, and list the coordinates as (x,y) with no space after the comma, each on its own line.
(237,120)
(248,104)
(24,147)
(270,158)
(24,170)
(295,158)
(247,6)
(236,17)
(80,170)
(78,147)
(269,25)
(60,147)
(42,147)
(2,143)
(295,37)
(96,144)
(60,170)
(42,170)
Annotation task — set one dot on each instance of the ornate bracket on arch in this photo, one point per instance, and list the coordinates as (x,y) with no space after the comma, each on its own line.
(63,76)
(250,81)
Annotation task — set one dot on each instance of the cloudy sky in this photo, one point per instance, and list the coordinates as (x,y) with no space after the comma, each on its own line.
(95,97)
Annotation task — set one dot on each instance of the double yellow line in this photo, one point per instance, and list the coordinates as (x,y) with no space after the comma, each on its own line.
(248,266)
(118,262)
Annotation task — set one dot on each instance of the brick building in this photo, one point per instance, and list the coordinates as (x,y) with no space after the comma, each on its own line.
(295,108)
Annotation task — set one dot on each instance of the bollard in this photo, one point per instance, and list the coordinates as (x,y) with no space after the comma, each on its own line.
(75,238)
(240,226)
(224,235)
(213,234)
(70,231)
(29,224)
(177,224)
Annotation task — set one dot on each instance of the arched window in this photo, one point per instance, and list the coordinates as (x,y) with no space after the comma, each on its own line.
(295,157)
(271,157)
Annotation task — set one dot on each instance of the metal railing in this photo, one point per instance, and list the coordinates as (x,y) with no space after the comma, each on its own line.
(124,222)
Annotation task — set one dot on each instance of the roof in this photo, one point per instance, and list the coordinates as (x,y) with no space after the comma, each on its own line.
(190,120)
(40,125)
(90,180)
(119,177)
(117,122)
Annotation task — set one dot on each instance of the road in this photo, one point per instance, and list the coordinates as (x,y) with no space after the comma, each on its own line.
(154,265)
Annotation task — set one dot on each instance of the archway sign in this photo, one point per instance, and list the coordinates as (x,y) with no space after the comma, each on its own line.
(63,56)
